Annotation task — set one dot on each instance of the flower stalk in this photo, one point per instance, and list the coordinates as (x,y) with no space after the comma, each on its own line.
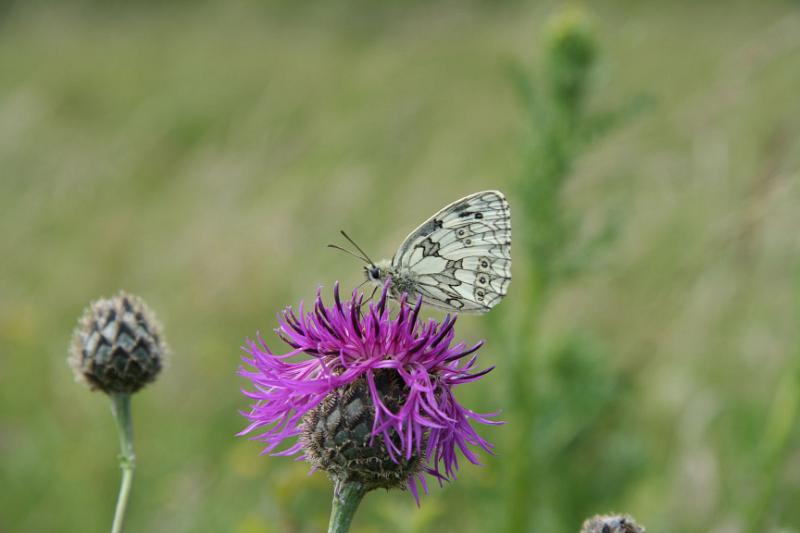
(347,495)
(121,407)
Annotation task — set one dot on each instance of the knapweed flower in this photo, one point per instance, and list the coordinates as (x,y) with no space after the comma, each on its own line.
(118,346)
(372,400)
(611,524)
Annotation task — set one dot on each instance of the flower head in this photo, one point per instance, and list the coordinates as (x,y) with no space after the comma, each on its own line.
(374,401)
(611,524)
(118,346)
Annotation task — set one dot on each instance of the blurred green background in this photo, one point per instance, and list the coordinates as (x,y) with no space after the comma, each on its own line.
(201,154)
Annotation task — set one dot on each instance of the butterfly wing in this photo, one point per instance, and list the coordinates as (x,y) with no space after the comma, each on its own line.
(460,258)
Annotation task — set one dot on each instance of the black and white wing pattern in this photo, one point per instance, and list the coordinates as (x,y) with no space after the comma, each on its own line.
(460,258)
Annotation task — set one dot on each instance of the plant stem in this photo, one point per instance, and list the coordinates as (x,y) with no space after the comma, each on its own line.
(346,497)
(782,422)
(121,407)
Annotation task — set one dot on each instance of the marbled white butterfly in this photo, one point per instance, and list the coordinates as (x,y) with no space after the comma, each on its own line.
(457,260)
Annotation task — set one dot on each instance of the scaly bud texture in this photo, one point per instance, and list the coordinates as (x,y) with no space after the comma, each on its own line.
(117,346)
(611,524)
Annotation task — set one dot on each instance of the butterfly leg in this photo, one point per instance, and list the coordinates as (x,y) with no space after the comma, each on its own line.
(371,296)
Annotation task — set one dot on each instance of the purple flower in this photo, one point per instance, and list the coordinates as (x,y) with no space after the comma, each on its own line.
(350,349)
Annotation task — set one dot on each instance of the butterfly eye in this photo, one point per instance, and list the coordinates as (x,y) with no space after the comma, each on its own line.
(479,215)
(372,273)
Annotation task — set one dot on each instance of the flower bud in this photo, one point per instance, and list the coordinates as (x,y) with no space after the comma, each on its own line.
(571,51)
(337,435)
(611,524)
(117,346)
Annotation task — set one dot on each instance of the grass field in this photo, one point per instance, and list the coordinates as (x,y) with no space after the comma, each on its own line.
(202,154)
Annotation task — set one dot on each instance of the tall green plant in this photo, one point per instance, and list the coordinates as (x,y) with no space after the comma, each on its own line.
(558,395)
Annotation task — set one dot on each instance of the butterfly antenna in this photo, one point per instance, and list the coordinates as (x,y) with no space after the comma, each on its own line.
(351,241)
(348,252)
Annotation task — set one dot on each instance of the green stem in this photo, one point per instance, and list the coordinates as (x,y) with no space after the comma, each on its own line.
(346,497)
(782,422)
(121,407)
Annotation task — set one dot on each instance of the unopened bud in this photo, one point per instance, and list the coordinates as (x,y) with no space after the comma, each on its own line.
(571,51)
(117,346)
(611,524)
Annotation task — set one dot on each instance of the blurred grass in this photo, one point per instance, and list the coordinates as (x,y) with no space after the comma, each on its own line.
(201,155)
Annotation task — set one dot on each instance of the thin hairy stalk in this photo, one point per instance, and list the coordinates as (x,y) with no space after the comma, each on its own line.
(121,407)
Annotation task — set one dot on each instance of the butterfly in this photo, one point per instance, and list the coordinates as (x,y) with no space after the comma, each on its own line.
(459,260)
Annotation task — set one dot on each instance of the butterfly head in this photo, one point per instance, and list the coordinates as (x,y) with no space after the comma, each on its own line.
(377,272)
(372,272)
